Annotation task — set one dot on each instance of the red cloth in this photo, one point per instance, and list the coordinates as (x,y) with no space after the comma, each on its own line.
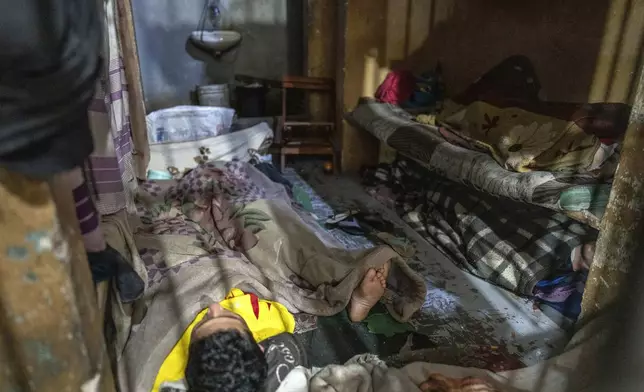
(396,88)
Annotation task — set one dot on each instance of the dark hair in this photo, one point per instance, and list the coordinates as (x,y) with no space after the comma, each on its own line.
(226,361)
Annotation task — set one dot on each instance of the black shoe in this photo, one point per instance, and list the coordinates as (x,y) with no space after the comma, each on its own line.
(108,264)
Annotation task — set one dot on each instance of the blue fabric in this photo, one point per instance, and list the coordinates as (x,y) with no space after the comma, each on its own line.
(271,172)
(570,308)
(564,279)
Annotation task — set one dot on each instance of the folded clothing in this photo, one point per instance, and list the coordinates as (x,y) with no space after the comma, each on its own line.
(108,264)
(564,289)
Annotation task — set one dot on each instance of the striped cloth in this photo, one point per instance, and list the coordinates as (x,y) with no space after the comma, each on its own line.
(111,163)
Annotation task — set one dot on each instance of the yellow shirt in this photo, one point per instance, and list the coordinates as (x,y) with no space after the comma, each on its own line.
(264,319)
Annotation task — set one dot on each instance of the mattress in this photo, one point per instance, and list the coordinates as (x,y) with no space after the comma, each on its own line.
(579,196)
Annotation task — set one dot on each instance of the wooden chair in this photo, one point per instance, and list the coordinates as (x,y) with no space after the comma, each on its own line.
(307,137)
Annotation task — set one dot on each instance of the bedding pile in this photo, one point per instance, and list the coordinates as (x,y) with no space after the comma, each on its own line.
(497,154)
(237,145)
(501,114)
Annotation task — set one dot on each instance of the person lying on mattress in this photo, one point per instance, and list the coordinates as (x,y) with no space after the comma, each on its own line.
(245,344)
(252,237)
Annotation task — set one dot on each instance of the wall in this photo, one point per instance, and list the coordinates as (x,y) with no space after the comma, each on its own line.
(565,40)
(582,50)
(272,45)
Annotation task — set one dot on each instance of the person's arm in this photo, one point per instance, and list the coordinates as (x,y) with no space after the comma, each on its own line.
(49,65)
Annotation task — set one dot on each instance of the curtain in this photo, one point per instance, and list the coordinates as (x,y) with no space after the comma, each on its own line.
(111,164)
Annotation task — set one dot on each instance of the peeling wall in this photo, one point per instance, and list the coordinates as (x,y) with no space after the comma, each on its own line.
(272,45)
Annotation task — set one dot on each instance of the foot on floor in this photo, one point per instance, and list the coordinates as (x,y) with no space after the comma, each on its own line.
(371,289)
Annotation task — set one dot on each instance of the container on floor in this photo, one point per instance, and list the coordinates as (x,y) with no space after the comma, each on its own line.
(188,123)
(214,95)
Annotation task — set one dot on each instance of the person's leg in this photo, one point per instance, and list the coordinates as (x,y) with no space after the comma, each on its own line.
(103,263)
(367,295)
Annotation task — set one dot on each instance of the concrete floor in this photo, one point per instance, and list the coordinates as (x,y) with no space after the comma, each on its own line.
(461,311)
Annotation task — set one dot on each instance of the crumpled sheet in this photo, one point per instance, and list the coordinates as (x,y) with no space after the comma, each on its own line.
(367,373)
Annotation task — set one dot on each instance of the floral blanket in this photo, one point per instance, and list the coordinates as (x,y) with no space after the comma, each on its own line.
(521,140)
(226,225)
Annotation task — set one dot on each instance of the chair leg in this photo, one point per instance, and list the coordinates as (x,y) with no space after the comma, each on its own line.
(282,162)
(336,162)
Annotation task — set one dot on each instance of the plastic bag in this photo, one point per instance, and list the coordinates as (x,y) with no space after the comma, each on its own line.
(188,123)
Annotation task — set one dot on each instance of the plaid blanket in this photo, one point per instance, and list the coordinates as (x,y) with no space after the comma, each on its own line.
(510,244)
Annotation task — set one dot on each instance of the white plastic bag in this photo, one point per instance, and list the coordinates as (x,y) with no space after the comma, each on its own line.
(234,146)
(188,123)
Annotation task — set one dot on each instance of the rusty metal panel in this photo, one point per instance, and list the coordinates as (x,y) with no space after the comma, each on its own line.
(51,337)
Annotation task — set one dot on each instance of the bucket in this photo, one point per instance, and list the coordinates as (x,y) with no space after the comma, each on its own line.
(214,95)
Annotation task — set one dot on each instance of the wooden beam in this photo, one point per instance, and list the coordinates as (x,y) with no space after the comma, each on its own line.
(321,52)
(620,243)
(363,35)
(130,54)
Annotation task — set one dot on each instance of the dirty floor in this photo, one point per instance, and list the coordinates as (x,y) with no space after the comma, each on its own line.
(464,320)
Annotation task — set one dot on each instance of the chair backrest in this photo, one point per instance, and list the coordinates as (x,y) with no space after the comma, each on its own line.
(308,83)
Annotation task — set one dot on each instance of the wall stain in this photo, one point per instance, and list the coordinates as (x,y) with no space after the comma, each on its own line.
(18,253)
(31,277)
(43,356)
(40,240)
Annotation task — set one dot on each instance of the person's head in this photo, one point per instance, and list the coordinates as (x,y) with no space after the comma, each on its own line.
(223,355)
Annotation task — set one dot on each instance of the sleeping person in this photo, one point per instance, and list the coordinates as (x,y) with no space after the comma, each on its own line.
(231,345)
(225,225)
(245,344)
(241,344)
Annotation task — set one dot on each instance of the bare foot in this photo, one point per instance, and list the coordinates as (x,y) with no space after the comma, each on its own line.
(369,292)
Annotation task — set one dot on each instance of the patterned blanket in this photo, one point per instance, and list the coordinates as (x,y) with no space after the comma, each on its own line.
(501,114)
(521,140)
(507,243)
(426,145)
